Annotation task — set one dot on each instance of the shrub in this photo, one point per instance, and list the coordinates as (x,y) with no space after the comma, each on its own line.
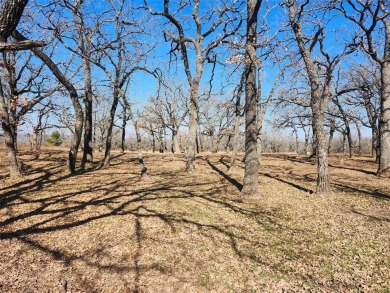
(55,139)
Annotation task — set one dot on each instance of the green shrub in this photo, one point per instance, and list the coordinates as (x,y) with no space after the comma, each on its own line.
(55,139)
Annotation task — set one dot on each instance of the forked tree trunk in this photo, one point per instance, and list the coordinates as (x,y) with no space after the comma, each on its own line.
(251,176)
(384,122)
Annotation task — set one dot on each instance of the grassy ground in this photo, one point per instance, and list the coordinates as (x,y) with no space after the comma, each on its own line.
(107,231)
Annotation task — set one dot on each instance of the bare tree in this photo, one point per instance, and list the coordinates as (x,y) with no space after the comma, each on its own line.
(168,109)
(57,72)
(79,36)
(215,21)
(237,121)
(19,93)
(319,74)
(372,18)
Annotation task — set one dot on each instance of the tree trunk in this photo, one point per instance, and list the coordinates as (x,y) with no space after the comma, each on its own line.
(143,169)
(259,141)
(10,143)
(359,138)
(306,147)
(296,139)
(237,120)
(375,151)
(123,138)
(161,142)
(229,138)
(11,13)
(344,143)
(193,128)
(384,122)
(331,134)
(175,142)
(78,132)
(349,138)
(107,152)
(251,176)
(88,131)
(9,138)
(323,184)
(235,143)
(198,143)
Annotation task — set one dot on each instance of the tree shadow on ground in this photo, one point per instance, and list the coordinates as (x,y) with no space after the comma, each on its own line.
(67,210)
(231,180)
(287,182)
(373,193)
(111,199)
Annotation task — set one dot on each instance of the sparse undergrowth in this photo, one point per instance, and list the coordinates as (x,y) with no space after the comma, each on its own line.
(105,230)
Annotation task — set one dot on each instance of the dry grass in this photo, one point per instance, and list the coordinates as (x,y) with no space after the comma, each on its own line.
(107,231)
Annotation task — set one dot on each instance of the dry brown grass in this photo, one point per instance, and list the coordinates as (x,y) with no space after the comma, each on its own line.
(107,231)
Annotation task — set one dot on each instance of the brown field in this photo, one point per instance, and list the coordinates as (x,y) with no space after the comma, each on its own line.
(107,231)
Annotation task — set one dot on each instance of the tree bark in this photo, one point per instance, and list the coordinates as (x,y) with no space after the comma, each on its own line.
(107,153)
(319,96)
(323,184)
(88,123)
(9,137)
(123,138)
(237,122)
(11,13)
(296,139)
(384,121)
(175,142)
(251,176)
(332,130)
(193,127)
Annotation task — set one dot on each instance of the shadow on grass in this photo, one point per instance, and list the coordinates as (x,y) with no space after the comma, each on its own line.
(372,217)
(287,182)
(353,169)
(233,181)
(70,209)
(67,210)
(372,193)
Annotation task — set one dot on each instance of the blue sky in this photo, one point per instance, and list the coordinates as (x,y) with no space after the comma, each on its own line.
(143,85)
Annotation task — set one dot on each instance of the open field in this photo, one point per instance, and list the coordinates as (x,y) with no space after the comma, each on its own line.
(107,231)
